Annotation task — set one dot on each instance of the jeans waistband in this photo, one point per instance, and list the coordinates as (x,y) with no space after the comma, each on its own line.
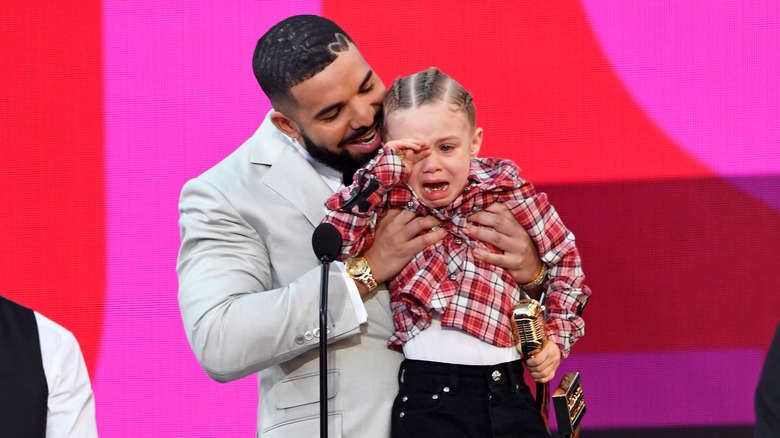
(462,376)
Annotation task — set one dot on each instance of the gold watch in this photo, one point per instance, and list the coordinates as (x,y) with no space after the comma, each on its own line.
(357,268)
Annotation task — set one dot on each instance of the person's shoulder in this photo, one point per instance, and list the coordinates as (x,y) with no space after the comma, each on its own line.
(54,338)
(256,154)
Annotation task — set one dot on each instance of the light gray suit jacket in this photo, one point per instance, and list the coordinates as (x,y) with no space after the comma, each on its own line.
(249,295)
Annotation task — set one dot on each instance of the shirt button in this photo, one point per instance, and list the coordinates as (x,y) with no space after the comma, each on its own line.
(401,415)
(453,277)
(474,209)
(435,396)
(316,332)
(404,398)
(446,389)
(308,336)
(458,241)
(299,339)
(410,204)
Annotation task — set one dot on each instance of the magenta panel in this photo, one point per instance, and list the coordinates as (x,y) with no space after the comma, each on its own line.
(179,96)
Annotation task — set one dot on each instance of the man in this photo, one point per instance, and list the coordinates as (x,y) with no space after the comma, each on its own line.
(248,279)
(44,385)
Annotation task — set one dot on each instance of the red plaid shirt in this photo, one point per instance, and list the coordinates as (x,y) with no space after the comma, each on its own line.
(471,295)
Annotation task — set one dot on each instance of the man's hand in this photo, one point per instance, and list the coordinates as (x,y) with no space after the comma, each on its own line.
(397,241)
(543,364)
(497,226)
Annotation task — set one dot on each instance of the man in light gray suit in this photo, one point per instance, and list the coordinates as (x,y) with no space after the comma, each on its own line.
(248,279)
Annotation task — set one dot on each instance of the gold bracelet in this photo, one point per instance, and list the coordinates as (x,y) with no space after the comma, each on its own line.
(536,281)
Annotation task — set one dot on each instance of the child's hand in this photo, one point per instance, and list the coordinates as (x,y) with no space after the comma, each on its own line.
(410,151)
(542,365)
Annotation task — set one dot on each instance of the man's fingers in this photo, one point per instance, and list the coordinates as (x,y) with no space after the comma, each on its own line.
(416,241)
(397,218)
(496,215)
(396,241)
(486,234)
(422,223)
(403,229)
(423,241)
(484,218)
(491,257)
(500,209)
(390,214)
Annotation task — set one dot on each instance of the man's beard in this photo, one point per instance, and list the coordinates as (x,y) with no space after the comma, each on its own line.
(341,161)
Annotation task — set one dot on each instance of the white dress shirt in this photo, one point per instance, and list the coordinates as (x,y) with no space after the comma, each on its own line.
(71,403)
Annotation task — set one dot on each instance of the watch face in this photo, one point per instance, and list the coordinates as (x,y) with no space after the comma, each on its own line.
(357,267)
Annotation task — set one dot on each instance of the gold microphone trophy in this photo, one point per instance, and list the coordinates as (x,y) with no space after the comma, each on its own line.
(530,332)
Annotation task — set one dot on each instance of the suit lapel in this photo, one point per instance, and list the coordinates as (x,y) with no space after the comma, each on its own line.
(296,180)
(289,174)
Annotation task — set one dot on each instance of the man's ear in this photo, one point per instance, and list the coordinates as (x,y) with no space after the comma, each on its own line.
(476,142)
(285,124)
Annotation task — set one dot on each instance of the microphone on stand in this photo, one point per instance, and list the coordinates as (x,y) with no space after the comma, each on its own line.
(326,242)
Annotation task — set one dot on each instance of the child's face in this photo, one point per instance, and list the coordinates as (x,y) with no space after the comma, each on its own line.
(439,178)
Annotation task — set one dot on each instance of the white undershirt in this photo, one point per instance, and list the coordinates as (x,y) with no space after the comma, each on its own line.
(71,405)
(449,345)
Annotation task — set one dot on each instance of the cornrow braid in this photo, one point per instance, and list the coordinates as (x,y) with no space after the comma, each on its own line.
(468,101)
(395,101)
(429,82)
(428,86)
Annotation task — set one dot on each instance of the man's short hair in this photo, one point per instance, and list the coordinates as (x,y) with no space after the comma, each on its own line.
(294,50)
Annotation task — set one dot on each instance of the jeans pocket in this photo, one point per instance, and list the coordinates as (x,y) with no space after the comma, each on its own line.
(417,402)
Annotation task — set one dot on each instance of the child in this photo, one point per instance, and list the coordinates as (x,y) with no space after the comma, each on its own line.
(462,375)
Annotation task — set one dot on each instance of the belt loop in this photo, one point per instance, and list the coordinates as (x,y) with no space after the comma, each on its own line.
(401,370)
(453,376)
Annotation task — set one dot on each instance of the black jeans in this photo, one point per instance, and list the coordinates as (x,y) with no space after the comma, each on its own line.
(447,400)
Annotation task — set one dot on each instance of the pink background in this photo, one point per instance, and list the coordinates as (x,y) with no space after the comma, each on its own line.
(654,125)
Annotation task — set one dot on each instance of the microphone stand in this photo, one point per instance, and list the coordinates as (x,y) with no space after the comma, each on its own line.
(324,347)
(326,242)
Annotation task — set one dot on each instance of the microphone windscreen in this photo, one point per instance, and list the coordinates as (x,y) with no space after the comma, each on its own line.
(326,242)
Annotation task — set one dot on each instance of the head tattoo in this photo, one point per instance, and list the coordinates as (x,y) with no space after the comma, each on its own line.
(341,44)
